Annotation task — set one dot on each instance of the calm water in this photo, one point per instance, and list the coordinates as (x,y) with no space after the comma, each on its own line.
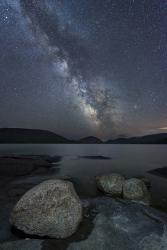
(129,160)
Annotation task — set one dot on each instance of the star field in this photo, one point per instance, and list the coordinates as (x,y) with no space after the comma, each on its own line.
(82,68)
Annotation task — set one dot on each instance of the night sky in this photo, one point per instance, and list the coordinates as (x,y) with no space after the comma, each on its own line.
(84,67)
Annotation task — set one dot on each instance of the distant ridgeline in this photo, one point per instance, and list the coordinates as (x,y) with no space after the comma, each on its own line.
(19,135)
(147,139)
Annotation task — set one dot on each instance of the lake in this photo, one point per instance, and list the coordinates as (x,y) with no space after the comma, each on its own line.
(129,160)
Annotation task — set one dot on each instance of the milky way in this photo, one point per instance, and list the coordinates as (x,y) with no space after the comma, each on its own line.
(83,68)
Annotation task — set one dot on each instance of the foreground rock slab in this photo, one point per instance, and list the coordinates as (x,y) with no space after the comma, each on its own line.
(51,209)
(22,245)
(124,225)
(111,184)
(14,165)
(135,189)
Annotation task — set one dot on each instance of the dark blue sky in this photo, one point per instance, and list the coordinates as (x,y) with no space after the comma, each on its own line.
(83,68)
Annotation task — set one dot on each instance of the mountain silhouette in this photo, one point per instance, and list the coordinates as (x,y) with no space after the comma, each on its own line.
(21,135)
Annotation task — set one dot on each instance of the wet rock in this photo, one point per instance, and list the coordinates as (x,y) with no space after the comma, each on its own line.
(51,209)
(14,168)
(20,165)
(124,225)
(22,245)
(39,158)
(5,209)
(135,189)
(111,184)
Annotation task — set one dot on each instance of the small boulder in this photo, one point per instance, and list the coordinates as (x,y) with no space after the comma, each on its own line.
(135,189)
(51,209)
(146,181)
(111,184)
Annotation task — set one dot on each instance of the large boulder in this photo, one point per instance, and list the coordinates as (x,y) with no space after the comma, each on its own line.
(111,184)
(135,189)
(51,209)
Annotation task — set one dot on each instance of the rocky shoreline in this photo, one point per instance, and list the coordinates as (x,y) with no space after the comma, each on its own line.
(46,212)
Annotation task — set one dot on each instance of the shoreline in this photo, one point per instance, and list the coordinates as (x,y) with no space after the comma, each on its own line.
(37,169)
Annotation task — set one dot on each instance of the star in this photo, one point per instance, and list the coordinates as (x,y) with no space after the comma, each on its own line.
(96,66)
